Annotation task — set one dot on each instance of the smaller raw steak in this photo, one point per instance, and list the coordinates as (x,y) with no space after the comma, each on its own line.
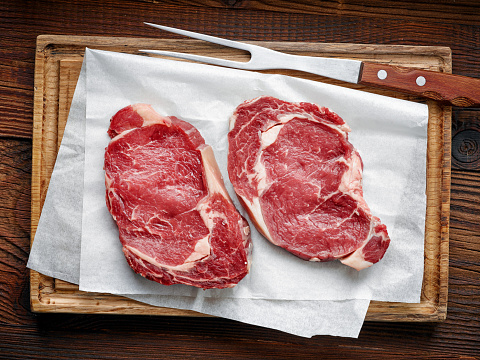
(176,221)
(300,180)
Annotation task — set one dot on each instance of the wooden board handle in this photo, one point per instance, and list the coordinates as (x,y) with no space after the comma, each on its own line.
(458,90)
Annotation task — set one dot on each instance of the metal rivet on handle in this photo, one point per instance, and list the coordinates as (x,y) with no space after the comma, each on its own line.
(421,81)
(382,74)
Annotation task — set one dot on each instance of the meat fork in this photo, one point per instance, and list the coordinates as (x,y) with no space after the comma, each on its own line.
(454,89)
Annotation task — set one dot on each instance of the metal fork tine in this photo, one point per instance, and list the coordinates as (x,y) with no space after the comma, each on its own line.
(262,58)
(207,59)
(209,38)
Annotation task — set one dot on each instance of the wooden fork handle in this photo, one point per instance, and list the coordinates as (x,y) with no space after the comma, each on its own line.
(458,90)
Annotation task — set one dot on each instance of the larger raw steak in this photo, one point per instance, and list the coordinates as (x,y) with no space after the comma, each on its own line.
(300,180)
(176,222)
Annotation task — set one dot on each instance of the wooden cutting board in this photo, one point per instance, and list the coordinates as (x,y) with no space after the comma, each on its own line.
(57,66)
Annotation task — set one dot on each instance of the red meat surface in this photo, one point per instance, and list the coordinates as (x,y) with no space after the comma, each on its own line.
(176,222)
(300,180)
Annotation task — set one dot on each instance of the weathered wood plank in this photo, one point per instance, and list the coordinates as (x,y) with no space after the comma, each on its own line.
(465,12)
(15,168)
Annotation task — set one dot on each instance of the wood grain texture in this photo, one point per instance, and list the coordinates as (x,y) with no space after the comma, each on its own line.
(466,140)
(24,335)
(448,88)
(458,11)
(15,169)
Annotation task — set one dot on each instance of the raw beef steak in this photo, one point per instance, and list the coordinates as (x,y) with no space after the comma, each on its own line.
(300,180)
(176,221)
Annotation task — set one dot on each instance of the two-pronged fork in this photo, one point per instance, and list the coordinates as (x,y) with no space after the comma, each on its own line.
(456,89)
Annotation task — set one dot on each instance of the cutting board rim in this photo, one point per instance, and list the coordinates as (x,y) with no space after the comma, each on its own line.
(51,295)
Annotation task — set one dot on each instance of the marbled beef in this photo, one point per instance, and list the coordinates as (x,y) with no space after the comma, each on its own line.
(176,221)
(300,180)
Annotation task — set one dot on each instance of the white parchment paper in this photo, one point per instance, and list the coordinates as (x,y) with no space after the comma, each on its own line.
(206,96)
(390,135)
(55,250)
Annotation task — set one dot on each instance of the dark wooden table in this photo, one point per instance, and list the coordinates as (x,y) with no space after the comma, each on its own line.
(24,334)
